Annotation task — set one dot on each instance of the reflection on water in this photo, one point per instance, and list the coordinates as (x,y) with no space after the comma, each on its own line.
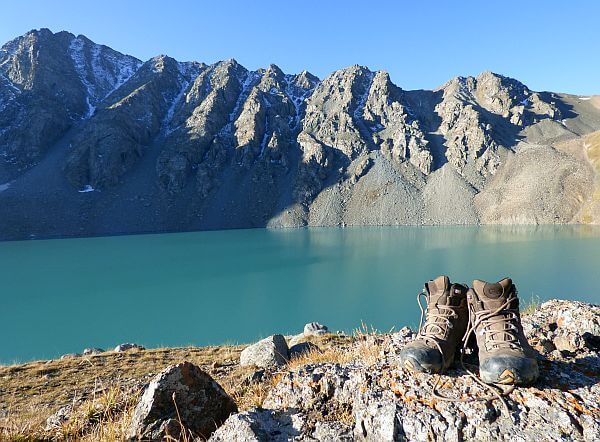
(60,296)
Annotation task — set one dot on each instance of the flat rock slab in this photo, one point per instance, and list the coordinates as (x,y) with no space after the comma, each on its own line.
(202,404)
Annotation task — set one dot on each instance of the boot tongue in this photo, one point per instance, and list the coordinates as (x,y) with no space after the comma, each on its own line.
(437,289)
(493,295)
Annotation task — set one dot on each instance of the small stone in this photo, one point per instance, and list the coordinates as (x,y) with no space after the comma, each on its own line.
(315,329)
(269,352)
(92,351)
(256,376)
(71,356)
(591,342)
(563,343)
(128,346)
(545,346)
(202,404)
(57,419)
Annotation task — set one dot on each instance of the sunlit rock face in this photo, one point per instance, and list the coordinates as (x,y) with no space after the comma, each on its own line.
(216,146)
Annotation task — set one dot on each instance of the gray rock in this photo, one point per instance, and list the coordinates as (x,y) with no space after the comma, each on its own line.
(314,384)
(377,419)
(92,351)
(296,339)
(128,346)
(301,348)
(315,329)
(269,352)
(58,419)
(258,425)
(202,405)
(569,326)
(333,432)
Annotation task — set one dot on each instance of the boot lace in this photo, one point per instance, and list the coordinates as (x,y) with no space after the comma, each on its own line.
(431,330)
(495,339)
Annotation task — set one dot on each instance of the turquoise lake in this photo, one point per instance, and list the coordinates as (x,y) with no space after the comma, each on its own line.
(62,295)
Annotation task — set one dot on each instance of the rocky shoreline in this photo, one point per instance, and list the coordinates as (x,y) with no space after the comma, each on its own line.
(314,386)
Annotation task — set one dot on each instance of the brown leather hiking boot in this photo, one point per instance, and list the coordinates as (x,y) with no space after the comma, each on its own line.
(446,320)
(505,356)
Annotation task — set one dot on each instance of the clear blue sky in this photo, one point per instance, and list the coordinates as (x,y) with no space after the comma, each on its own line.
(549,45)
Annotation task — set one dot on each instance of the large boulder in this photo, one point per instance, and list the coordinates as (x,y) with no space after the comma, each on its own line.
(182,395)
(269,352)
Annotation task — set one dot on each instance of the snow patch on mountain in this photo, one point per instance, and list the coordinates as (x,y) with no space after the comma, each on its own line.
(297,96)
(362,100)
(124,68)
(247,84)
(187,72)
(76,51)
(100,70)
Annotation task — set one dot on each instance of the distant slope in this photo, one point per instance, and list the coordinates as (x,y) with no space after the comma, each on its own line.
(93,141)
(591,208)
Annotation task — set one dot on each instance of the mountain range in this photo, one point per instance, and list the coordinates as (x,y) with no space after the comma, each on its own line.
(96,142)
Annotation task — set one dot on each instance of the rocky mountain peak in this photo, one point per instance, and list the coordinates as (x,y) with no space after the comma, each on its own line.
(213,132)
(305,80)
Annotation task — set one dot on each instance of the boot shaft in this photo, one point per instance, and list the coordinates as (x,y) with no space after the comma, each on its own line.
(441,328)
(445,300)
(496,318)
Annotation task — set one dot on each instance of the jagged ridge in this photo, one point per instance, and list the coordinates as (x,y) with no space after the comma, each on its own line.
(295,138)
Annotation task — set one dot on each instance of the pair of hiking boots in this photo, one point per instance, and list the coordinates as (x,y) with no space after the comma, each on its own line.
(456,313)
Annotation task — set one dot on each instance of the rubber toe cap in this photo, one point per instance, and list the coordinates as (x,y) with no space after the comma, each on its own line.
(509,370)
(423,359)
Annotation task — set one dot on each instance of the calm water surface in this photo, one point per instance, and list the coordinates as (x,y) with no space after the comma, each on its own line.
(59,296)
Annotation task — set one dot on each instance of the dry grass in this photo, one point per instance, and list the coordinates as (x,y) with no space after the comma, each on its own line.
(98,387)
(531,306)
(104,417)
(363,346)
